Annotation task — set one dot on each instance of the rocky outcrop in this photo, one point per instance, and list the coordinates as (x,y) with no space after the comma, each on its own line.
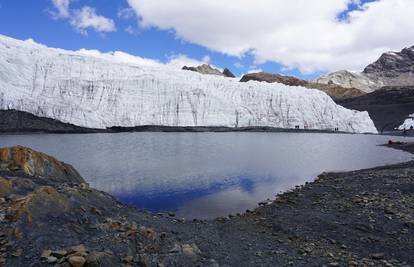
(391,69)
(273,78)
(388,107)
(50,216)
(207,69)
(32,163)
(396,69)
(228,73)
(335,91)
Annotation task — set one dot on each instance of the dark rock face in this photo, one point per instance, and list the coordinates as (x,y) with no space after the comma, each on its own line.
(204,69)
(360,218)
(393,64)
(334,91)
(207,69)
(20,121)
(273,78)
(228,73)
(393,69)
(388,107)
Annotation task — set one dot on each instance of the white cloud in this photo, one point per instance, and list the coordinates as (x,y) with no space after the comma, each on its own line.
(175,61)
(86,17)
(254,70)
(62,8)
(82,19)
(131,30)
(126,13)
(181,60)
(298,34)
(238,65)
(121,57)
(206,59)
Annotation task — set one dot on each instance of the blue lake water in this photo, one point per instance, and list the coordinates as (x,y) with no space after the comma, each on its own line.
(205,175)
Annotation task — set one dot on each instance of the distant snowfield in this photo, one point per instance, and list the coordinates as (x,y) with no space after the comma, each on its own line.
(408,123)
(99,92)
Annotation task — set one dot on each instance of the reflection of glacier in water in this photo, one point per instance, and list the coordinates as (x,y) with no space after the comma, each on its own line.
(206,175)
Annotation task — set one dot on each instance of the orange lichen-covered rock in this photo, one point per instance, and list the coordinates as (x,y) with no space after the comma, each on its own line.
(35,163)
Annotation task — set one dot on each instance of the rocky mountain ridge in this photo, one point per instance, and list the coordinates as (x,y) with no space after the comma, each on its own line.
(334,91)
(209,70)
(391,69)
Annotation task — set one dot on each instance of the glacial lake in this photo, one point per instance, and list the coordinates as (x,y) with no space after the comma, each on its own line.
(206,175)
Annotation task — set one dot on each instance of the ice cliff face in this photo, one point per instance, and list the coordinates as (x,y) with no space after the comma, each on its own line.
(408,123)
(94,92)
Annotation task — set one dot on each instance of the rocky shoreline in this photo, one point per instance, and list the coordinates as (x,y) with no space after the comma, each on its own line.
(49,216)
(19,122)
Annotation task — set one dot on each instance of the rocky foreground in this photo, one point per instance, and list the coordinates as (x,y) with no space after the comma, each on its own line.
(49,216)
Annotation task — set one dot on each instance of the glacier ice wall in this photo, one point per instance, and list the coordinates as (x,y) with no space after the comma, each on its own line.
(96,92)
(408,123)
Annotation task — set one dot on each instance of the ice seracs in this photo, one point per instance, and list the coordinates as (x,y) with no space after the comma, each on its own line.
(408,123)
(99,92)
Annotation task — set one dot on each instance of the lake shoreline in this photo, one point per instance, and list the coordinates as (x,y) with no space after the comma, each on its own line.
(352,218)
(19,122)
(14,122)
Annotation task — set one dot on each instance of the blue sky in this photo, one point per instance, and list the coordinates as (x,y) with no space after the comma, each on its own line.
(23,19)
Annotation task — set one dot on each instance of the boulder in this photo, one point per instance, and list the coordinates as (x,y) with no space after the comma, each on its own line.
(33,163)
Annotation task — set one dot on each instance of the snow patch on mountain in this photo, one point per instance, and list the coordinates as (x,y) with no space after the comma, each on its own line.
(98,92)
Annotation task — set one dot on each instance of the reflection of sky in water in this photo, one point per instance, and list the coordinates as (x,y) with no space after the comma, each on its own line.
(208,174)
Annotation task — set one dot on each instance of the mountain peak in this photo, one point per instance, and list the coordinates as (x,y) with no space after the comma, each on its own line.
(393,65)
(207,69)
(391,69)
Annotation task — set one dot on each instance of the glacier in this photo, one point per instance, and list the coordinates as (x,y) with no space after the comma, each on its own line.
(408,123)
(100,92)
